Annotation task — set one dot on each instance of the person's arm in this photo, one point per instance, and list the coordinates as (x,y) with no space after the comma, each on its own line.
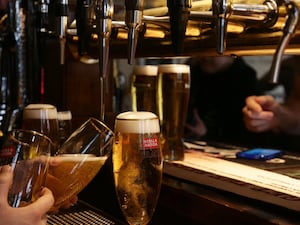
(263,113)
(33,214)
(289,115)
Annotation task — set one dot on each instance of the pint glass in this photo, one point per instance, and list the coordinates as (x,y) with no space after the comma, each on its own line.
(173,95)
(28,153)
(43,119)
(144,88)
(137,165)
(79,159)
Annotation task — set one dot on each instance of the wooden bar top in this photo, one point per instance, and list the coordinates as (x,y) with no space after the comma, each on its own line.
(182,202)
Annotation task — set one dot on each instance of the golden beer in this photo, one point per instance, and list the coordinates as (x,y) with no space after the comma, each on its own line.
(137,165)
(173,95)
(71,175)
(144,88)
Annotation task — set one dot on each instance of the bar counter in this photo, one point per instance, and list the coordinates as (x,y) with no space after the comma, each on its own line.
(182,202)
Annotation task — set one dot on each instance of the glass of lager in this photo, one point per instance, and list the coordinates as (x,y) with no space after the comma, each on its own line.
(144,88)
(79,159)
(137,165)
(43,119)
(173,99)
(28,153)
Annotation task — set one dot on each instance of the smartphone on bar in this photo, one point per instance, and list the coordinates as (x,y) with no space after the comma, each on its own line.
(259,153)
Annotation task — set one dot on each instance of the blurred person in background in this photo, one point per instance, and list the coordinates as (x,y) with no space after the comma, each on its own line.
(219,86)
(264,114)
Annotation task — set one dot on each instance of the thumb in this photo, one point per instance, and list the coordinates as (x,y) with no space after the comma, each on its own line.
(6,178)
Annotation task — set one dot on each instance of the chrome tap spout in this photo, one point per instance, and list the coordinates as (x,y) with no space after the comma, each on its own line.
(221,12)
(62,22)
(104,13)
(133,20)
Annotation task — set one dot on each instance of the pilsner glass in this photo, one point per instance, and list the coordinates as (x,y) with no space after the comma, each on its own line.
(79,160)
(173,99)
(137,165)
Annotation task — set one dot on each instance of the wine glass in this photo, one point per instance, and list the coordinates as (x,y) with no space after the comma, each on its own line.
(137,165)
(79,159)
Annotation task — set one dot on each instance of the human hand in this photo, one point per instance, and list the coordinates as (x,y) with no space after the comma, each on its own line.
(198,129)
(32,214)
(260,113)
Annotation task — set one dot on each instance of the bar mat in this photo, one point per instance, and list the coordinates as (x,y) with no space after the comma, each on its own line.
(82,214)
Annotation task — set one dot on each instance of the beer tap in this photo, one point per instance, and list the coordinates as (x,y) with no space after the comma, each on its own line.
(289,29)
(62,21)
(104,13)
(179,11)
(221,12)
(84,18)
(251,15)
(43,22)
(133,21)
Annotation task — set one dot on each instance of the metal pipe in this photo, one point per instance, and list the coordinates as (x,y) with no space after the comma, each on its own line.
(289,29)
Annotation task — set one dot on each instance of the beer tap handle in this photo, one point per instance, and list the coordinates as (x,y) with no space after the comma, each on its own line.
(83,25)
(62,16)
(43,16)
(221,12)
(133,20)
(179,11)
(289,29)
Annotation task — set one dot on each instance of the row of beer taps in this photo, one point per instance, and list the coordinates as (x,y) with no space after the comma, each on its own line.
(259,14)
(99,14)
(262,15)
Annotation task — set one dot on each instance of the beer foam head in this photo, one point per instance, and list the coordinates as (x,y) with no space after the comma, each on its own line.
(64,115)
(38,111)
(137,122)
(147,70)
(174,68)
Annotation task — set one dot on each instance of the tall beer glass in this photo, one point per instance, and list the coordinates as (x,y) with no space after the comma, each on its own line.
(79,159)
(144,88)
(173,95)
(42,118)
(137,165)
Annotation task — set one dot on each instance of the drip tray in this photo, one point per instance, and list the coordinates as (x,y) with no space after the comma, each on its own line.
(82,214)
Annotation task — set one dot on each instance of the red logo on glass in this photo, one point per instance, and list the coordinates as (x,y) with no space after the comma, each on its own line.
(150,143)
(8,151)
